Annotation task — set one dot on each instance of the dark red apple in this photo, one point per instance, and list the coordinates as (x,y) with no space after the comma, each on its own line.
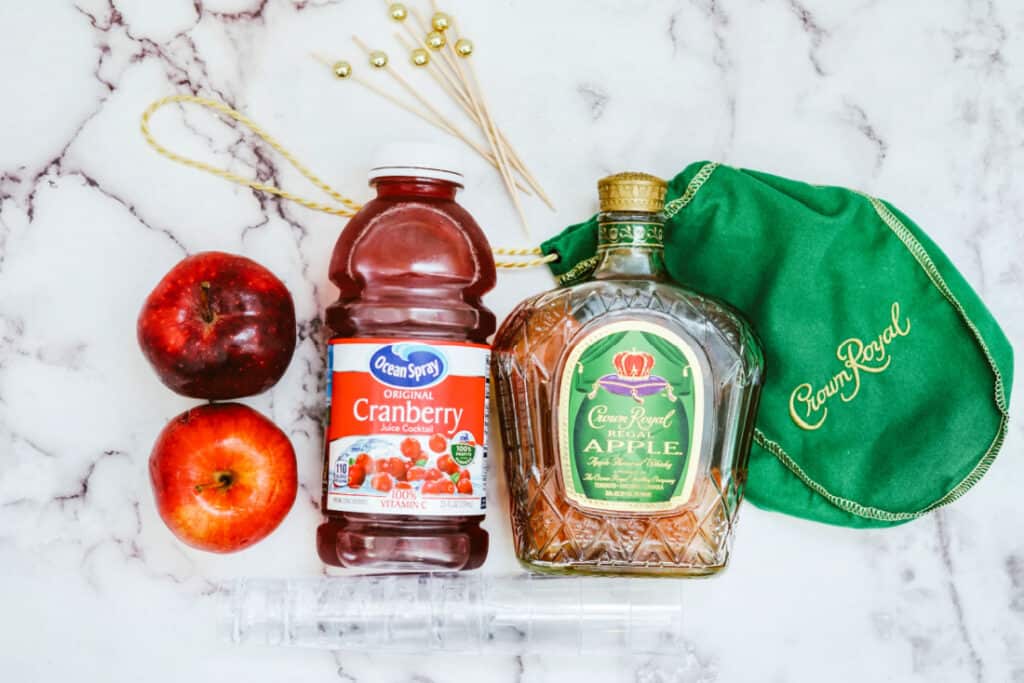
(218,326)
(223,476)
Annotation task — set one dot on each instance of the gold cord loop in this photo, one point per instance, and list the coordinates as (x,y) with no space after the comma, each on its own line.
(348,208)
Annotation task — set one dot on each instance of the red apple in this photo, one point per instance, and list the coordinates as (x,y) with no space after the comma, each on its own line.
(223,475)
(218,326)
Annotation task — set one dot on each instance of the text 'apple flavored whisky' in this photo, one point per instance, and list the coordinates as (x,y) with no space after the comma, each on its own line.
(627,406)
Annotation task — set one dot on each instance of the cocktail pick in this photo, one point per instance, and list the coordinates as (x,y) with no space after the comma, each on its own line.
(463,48)
(343,70)
(453,85)
(440,51)
(437,41)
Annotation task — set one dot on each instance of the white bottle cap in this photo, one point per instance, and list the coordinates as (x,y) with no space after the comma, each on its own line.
(418,160)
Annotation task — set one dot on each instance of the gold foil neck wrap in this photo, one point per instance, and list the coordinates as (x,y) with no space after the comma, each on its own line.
(632,192)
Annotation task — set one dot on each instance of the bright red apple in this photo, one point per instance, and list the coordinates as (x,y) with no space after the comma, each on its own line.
(218,326)
(223,475)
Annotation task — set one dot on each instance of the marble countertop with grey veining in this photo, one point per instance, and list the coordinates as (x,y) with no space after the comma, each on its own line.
(918,102)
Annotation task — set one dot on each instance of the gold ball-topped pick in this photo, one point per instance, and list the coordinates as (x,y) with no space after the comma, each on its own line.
(342,69)
(398,11)
(441,21)
(419,57)
(464,47)
(436,40)
(378,59)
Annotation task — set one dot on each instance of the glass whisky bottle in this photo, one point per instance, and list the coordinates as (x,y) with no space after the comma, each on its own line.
(627,406)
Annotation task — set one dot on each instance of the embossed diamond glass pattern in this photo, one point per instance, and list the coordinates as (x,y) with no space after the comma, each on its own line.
(561,523)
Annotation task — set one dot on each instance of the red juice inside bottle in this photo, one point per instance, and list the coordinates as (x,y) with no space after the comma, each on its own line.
(405,460)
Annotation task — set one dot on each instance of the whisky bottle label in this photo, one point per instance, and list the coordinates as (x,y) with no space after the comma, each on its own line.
(630,419)
(407,427)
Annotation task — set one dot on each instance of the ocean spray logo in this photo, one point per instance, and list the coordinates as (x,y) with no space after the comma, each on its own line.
(408,366)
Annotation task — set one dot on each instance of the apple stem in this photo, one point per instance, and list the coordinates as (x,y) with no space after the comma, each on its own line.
(207,311)
(221,480)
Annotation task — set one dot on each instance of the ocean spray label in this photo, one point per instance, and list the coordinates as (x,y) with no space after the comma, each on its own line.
(408,365)
(407,429)
(630,419)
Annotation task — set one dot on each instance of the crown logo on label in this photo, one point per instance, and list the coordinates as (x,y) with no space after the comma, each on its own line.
(633,364)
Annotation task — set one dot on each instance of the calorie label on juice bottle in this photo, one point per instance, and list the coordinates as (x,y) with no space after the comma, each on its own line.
(407,427)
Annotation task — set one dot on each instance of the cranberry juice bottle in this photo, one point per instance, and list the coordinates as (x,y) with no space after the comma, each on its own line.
(406,447)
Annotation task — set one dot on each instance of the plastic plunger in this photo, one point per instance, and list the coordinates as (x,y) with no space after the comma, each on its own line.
(466,613)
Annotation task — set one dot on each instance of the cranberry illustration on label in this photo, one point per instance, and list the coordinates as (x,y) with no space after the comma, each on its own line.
(439,487)
(397,468)
(447,465)
(411,448)
(356,476)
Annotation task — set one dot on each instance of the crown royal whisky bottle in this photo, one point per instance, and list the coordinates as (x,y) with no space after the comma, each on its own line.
(627,405)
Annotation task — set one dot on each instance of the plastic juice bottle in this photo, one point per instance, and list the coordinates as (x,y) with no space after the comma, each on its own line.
(407,371)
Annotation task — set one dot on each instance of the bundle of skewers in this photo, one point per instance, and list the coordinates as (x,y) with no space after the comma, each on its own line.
(437,49)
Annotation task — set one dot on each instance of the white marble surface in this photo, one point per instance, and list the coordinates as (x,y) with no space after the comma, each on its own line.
(917,101)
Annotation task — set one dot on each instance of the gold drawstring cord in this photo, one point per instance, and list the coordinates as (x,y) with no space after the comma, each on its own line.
(348,207)
(532,263)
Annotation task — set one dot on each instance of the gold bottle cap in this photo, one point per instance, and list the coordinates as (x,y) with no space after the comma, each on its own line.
(632,192)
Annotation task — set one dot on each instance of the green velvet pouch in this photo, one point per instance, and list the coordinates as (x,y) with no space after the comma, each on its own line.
(888,380)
